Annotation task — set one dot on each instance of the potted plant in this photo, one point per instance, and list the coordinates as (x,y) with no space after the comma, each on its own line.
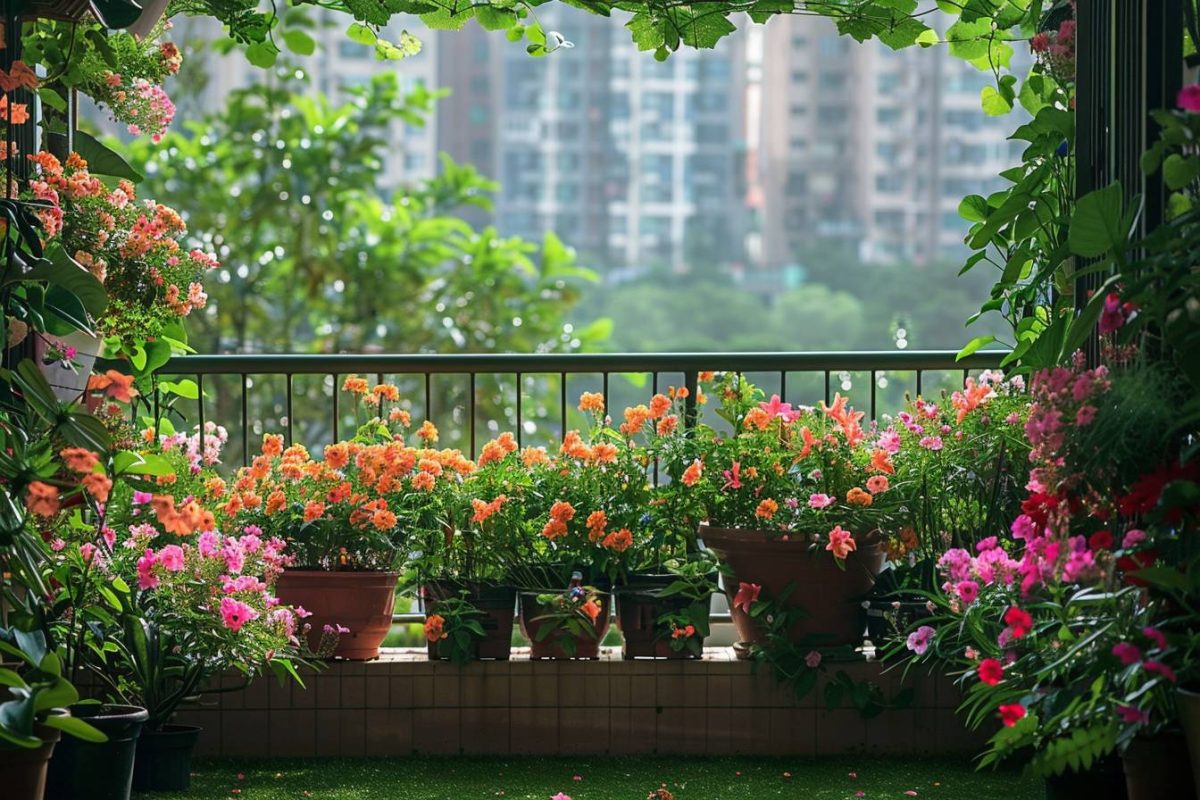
(665,614)
(784,491)
(32,713)
(961,463)
(589,505)
(346,517)
(463,570)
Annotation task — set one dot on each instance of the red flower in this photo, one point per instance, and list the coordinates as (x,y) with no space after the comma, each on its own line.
(1018,621)
(1011,714)
(747,594)
(990,671)
(1100,540)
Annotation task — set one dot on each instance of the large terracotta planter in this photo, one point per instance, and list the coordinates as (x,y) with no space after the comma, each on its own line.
(832,597)
(1188,704)
(23,770)
(638,610)
(551,646)
(1156,767)
(498,605)
(360,601)
(97,770)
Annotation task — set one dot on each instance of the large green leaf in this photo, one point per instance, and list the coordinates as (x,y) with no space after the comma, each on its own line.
(102,159)
(1098,225)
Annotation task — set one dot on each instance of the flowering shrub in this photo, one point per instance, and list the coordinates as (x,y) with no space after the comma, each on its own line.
(812,472)
(134,248)
(351,508)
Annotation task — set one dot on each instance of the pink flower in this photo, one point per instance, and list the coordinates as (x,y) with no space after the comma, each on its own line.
(991,671)
(931,443)
(209,544)
(235,613)
(1189,98)
(1085,416)
(1156,636)
(1161,669)
(1112,317)
(778,409)
(1127,653)
(877,484)
(918,640)
(145,570)
(819,501)
(732,476)
(747,593)
(560,796)
(1132,715)
(1133,537)
(841,543)
(889,441)
(171,557)
(968,591)
(813,659)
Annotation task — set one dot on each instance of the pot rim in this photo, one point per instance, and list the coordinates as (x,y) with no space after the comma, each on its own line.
(113,712)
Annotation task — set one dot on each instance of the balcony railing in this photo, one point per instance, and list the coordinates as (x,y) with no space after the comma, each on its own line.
(263,393)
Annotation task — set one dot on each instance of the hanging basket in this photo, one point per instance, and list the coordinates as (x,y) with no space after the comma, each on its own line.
(112,14)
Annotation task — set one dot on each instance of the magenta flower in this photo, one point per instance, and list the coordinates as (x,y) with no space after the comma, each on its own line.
(918,640)
(1189,98)
(1156,636)
(171,557)
(1133,716)
(235,613)
(1133,537)
(813,659)
(1161,669)
(931,442)
(145,570)
(733,479)
(1112,317)
(778,409)
(968,591)
(1127,653)
(209,544)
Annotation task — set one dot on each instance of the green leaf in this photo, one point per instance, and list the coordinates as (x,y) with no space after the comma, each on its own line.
(363,34)
(973,208)
(1179,171)
(75,727)
(52,99)
(262,54)
(974,345)
(1097,225)
(103,160)
(299,42)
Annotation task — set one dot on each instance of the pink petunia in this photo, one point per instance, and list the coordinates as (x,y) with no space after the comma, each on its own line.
(171,557)
(145,570)
(235,613)
(918,640)
(1189,98)
(820,500)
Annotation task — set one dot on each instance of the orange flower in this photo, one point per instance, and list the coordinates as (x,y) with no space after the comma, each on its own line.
(591,401)
(766,509)
(383,520)
(354,385)
(483,510)
(401,416)
(531,456)
(882,462)
(806,436)
(79,459)
(386,391)
(313,510)
(604,453)
(423,482)
(660,404)
(19,75)
(847,419)
(435,627)
(492,451)
(692,474)
(432,466)
(42,499)
(19,114)
(597,521)
(619,540)
(574,446)
(276,500)
(706,377)
(841,543)
(115,386)
(337,455)
(97,485)
(857,497)
(562,510)
(591,608)
(215,487)
(757,418)
(272,445)
(666,425)
(428,432)
(635,419)
(554,529)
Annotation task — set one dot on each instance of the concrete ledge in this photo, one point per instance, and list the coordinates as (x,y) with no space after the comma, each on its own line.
(403,704)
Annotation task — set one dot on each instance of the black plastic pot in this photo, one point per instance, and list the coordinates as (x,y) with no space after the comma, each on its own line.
(97,770)
(1104,781)
(164,759)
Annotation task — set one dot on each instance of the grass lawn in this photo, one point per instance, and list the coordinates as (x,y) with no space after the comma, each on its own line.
(601,778)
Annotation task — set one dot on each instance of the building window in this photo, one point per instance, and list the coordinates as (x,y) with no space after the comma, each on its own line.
(887,116)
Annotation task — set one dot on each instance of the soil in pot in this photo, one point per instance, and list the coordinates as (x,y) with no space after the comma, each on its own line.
(164,759)
(23,770)
(1188,703)
(831,596)
(551,645)
(498,605)
(360,601)
(97,770)
(638,611)
(1104,781)
(1157,767)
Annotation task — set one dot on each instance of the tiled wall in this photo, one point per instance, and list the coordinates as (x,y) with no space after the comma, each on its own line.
(403,704)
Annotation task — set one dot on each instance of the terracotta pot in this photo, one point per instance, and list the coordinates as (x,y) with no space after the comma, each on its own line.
(498,604)
(360,601)
(586,647)
(1156,767)
(164,759)
(1188,704)
(832,597)
(68,385)
(97,770)
(23,770)
(638,610)
(1104,781)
